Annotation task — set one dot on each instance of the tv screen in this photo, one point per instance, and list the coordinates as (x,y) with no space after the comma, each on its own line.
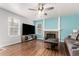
(28,29)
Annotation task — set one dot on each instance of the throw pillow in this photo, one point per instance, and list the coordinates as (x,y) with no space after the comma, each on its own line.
(74,35)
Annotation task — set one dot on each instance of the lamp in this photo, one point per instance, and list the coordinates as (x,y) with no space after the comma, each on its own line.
(75,30)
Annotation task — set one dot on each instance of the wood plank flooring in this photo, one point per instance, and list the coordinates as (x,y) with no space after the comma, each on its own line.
(31,48)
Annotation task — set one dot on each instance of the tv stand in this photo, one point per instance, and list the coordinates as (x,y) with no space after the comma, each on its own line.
(28,37)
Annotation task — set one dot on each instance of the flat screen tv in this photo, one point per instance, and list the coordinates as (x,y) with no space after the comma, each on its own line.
(28,29)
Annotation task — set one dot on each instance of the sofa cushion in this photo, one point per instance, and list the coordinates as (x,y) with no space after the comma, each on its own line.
(76,43)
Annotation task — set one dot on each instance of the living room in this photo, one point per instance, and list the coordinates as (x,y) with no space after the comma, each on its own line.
(39,29)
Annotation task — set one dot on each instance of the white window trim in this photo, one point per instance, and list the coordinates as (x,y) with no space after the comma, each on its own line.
(9,18)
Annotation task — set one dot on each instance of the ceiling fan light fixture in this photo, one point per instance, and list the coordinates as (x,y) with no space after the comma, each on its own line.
(40,12)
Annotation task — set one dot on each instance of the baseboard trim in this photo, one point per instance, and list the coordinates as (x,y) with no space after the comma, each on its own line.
(10,44)
(40,40)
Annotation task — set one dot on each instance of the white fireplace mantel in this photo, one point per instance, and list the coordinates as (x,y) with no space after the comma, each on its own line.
(51,30)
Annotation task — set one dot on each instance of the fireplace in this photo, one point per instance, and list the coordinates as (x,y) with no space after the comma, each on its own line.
(51,34)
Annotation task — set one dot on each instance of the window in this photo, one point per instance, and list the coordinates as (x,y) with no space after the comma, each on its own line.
(39,28)
(13,26)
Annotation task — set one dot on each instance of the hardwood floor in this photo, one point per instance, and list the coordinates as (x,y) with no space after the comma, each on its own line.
(31,48)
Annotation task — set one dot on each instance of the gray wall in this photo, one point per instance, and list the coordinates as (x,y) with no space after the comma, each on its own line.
(4,38)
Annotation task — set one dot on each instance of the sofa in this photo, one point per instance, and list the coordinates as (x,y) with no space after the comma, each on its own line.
(72,45)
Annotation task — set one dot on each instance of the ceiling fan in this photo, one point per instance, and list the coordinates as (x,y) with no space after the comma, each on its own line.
(41,8)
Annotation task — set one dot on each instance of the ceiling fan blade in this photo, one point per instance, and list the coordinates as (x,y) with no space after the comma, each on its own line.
(50,8)
(32,9)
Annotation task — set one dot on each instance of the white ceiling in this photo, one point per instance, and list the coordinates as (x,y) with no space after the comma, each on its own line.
(59,9)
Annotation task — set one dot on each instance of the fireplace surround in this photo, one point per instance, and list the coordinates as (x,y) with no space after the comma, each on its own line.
(51,34)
